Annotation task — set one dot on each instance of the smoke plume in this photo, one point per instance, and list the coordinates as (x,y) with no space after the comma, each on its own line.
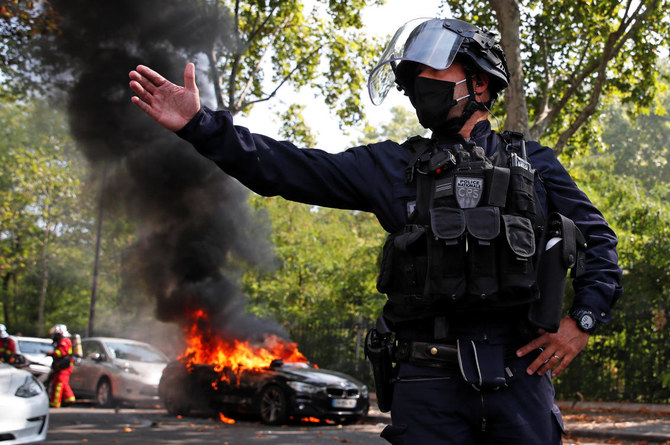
(191,218)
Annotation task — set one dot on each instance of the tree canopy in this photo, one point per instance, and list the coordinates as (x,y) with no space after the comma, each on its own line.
(565,57)
(20,22)
(268,44)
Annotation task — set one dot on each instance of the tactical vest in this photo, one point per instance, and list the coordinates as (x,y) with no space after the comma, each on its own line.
(471,241)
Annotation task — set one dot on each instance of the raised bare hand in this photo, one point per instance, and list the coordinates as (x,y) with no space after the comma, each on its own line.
(168,104)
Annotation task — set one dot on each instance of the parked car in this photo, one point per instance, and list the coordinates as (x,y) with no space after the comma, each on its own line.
(24,405)
(115,370)
(34,350)
(277,394)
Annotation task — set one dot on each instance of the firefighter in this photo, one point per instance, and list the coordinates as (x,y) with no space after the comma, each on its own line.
(465,212)
(7,346)
(62,365)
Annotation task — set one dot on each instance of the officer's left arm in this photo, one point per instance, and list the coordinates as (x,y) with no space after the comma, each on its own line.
(598,288)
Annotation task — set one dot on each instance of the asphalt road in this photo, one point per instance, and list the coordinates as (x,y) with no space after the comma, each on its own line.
(86,424)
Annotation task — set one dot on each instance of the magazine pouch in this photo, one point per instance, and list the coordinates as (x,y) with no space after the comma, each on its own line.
(403,268)
(483,225)
(446,259)
(517,272)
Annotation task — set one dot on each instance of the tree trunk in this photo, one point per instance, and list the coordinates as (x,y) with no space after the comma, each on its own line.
(509,22)
(45,280)
(5,298)
(98,237)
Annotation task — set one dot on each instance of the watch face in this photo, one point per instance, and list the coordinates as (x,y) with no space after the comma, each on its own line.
(586,322)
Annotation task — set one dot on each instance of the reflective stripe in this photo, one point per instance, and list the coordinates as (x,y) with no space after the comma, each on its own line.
(55,399)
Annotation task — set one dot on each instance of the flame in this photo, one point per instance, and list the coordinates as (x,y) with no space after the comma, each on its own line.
(206,347)
(310,419)
(225,419)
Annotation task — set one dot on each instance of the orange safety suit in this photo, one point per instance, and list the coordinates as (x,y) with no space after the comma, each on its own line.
(7,349)
(61,380)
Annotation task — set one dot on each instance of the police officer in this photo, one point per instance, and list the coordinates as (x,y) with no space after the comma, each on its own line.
(471,367)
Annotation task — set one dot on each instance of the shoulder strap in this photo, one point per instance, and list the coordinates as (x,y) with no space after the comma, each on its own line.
(515,141)
(416,146)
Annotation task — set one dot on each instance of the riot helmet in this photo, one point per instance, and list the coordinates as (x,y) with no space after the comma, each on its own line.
(59,329)
(437,43)
(3,331)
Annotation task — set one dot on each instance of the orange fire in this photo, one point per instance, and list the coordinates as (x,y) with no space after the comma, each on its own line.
(205,347)
(225,419)
(310,419)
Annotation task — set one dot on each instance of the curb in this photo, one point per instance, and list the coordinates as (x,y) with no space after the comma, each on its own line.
(376,416)
(619,435)
(614,406)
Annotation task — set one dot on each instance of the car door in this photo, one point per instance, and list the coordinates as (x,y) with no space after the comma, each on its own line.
(88,370)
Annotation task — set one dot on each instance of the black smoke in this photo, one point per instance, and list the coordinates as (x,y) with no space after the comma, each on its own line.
(192,219)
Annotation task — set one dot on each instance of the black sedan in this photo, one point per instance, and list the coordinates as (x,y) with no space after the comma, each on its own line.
(278,394)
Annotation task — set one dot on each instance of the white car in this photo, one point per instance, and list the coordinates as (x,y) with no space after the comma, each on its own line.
(24,405)
(35,350)
(116,370)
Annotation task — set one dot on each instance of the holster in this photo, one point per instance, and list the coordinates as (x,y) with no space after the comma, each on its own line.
(564,250)
(379,347)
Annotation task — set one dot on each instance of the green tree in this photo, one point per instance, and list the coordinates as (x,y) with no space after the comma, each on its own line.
(41,205)
(20,22)
(403,124)
(327,264)
(640,141)
(275,43)
(565,56)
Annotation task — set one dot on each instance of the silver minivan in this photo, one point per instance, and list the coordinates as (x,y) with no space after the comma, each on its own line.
(115,370)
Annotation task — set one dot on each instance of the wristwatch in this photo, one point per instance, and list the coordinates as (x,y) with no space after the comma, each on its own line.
(585,319)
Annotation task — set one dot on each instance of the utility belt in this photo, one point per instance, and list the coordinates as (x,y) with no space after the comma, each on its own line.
(484,365)
(431,354)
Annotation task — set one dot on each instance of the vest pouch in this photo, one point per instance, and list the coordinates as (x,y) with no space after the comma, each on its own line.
(403,266)
(552,274)
(447,256)
(483,224)
(517,273)
(521,199)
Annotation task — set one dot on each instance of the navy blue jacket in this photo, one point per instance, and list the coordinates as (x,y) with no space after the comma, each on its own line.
(371,178)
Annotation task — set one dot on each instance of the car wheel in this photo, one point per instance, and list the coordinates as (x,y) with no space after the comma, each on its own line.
(273,405)
(175,404)
(103,394)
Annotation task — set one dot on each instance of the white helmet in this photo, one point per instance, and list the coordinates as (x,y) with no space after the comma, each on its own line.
(59,329)
(3,331)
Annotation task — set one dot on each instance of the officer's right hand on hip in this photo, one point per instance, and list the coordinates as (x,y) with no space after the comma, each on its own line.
(168,104)
(558,349)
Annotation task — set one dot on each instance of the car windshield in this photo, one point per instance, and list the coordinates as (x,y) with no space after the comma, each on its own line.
(34,347)
(298,365)
(135,352)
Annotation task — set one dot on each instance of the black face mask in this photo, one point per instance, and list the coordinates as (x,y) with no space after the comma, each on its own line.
(433,99)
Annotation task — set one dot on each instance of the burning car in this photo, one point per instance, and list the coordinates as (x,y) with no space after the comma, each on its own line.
(278,393)
(272,380)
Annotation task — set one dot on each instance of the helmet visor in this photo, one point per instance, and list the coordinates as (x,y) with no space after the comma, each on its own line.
(424,41)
